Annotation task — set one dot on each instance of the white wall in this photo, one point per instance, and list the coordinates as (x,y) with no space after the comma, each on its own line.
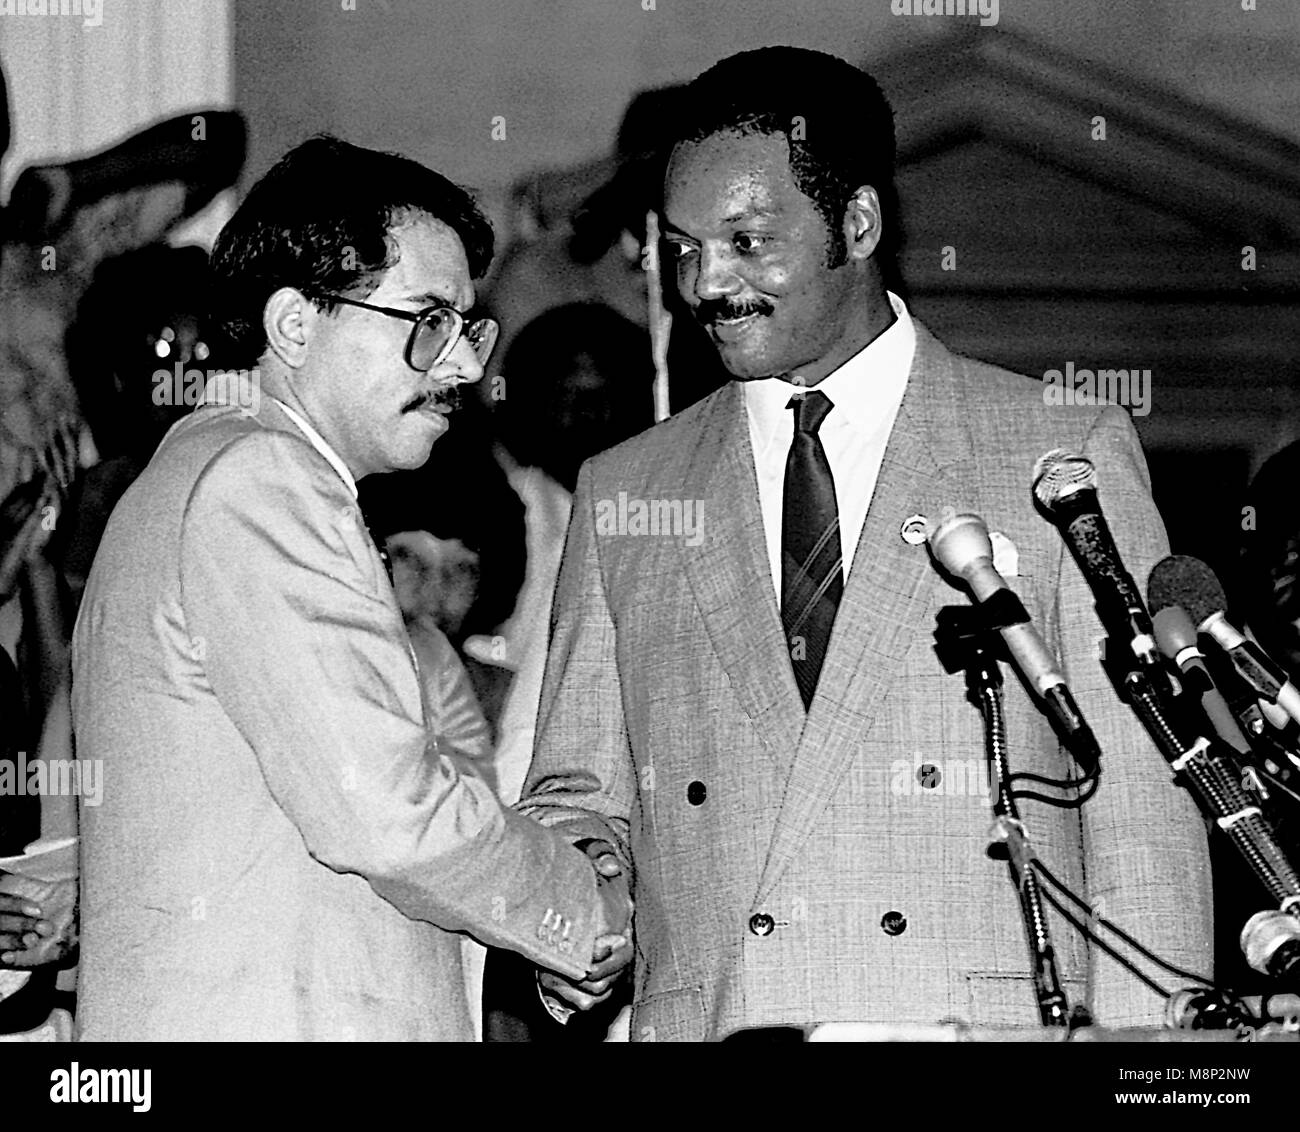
(426,77)
(74,89)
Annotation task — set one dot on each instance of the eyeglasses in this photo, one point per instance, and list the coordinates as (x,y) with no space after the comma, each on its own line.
(436,332)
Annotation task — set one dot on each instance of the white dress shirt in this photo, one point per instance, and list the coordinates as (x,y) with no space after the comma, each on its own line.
(866,392)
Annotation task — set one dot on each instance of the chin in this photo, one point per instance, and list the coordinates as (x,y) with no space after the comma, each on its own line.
(409,446)
(411,457)
(747,367)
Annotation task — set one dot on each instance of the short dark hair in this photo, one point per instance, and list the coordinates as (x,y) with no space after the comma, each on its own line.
(835,118)
(320,221)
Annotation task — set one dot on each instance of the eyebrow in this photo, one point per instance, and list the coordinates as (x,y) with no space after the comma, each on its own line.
(756,214)
(433,299)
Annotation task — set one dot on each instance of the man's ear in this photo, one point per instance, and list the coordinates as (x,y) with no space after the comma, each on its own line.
(863,224)
(288,320)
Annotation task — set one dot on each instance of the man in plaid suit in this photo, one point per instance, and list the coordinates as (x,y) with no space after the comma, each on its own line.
(742,696)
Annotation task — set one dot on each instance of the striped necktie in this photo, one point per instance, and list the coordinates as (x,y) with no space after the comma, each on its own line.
(812,574)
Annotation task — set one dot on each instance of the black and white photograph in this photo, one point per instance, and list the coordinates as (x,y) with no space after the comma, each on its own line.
(582,522)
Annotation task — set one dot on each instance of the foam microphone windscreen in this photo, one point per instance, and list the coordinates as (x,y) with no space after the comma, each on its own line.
(1187,582)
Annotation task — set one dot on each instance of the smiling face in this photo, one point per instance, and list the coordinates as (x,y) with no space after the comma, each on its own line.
(378,413)
(752,253)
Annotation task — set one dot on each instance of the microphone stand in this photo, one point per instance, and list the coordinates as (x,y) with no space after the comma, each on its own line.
(967,639)
(1273,759)
(1203,765)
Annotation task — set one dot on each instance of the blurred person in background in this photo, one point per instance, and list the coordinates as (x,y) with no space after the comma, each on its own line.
(1270,561)
(41,448)
(454,532)
(577,381)
(454,535)
(435,582)
(140,351)
(38,930)
(62,222)
(584,244)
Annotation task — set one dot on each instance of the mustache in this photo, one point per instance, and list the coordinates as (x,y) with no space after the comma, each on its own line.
(448,396)
(713,310)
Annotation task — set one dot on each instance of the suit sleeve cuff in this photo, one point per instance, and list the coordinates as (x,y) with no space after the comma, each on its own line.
(554,1007)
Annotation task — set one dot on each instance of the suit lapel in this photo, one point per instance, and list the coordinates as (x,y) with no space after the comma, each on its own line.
(927,466)
(731,579)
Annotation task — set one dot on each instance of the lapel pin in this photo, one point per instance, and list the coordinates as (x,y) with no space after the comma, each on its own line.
(915,530)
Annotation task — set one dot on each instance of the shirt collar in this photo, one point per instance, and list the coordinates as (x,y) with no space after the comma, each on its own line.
(317,441)
(862,389)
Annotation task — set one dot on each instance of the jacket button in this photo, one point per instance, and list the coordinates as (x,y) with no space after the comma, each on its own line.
(893,923)
(760,923)
(696,793)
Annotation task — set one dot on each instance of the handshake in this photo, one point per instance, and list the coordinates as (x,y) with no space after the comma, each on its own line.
(613,947)
(38,921)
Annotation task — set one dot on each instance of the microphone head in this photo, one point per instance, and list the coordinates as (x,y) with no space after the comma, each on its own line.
(1059,474)
(1264,933)
(1187,582)
(959,542)
(1205,1008)
(1174,630)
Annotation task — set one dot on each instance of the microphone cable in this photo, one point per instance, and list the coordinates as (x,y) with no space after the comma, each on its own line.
(1095,917)
(1087,785)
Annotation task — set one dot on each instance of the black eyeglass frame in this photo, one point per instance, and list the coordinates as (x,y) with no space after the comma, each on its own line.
(474,334)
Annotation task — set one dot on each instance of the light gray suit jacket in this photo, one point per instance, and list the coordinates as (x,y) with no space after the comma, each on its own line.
(280,832)
(670,721)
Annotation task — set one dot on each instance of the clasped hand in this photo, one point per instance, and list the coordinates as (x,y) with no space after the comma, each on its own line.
(613,947)
(37,921)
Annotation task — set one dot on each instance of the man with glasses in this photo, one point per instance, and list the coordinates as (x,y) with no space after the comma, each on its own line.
(435,333)
(284,850)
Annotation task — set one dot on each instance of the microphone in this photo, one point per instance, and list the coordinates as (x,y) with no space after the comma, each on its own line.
(1206,1008)
(961,545)
(1065,487)
(1176,636)
(1193,585)
(1271,943)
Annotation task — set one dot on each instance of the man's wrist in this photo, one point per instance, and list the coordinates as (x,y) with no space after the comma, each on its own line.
(554,1007)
